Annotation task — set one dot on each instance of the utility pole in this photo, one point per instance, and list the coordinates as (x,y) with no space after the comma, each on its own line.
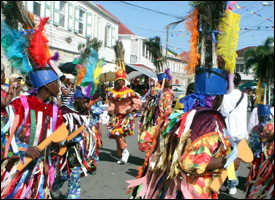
(167,34)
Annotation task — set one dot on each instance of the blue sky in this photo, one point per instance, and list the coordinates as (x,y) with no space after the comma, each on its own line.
(254,27)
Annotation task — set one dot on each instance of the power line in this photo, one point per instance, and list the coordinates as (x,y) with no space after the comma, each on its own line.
(162,13)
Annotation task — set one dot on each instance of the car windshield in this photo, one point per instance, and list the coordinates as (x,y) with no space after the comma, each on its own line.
(177,88)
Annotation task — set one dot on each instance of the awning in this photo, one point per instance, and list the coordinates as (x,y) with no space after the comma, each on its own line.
(140,68)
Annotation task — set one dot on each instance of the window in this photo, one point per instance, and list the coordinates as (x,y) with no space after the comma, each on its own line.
(239,68)
(89,20)
(81,21)
(59,13)
(62,14)
(108,36)
(70,16)
(37,8)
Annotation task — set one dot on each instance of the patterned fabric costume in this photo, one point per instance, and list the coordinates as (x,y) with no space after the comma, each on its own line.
(30,122)
(81,156)
(119,102)
(82,151)
(123,102)
(261,176)
(187,145)
(157,107)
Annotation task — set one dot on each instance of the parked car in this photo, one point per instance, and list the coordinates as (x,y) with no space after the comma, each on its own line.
(178,91)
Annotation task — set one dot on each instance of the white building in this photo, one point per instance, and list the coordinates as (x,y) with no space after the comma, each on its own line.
(70,23)
(137,55)
(240,66)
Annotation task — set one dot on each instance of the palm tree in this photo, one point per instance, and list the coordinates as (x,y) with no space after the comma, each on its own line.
(261,61)
(209,14)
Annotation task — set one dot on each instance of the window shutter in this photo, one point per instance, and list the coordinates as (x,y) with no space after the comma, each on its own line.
(98,27)
(47,11)
(29,6)
(56,13)
(113,37)
(70,16)
(106,36)
(88,24)
(76,19)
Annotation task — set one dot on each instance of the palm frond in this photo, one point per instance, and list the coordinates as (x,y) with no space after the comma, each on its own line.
(174,24)
(210,13)
(16,13)
(119,51)
(154,47)
(85,49)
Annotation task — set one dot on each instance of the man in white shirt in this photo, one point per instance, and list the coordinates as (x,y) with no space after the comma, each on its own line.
(234,109)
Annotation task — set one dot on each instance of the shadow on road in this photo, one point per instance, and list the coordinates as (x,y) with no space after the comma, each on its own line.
(103,156)
(225,196)
(112,157)
(132,172)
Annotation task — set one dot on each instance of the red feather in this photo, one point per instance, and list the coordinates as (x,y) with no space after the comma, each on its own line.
(39,48)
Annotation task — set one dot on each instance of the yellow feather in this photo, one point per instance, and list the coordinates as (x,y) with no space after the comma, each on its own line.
(98,71)
(228,39)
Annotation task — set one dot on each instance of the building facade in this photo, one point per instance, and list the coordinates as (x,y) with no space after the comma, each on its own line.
(71,23)
(240,66)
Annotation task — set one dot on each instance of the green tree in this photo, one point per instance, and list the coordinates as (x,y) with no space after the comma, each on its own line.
(261,61)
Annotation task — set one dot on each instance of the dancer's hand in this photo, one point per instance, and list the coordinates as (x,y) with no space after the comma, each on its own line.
(110,113)
(33,152)
(129,110)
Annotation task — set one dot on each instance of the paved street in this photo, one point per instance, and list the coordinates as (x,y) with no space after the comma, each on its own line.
(109,180)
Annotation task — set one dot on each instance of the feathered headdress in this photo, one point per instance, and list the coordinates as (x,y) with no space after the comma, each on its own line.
(191,24)
(154,47)
(228,39)
(119,51)
(25,45)
(87,64)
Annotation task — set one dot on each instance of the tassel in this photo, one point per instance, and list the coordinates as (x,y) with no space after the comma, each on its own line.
(39,48)
(228,39)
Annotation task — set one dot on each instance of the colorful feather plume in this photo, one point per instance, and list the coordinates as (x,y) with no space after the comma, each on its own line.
(191,25)
(39,48)
(228,39)
(97,74)
(14,44)
(81,70)
(88,64)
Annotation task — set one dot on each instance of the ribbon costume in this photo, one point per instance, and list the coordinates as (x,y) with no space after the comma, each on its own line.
(158,105)
(81,156)
(32,120)
(260,182)
(195,148)
(123,103)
